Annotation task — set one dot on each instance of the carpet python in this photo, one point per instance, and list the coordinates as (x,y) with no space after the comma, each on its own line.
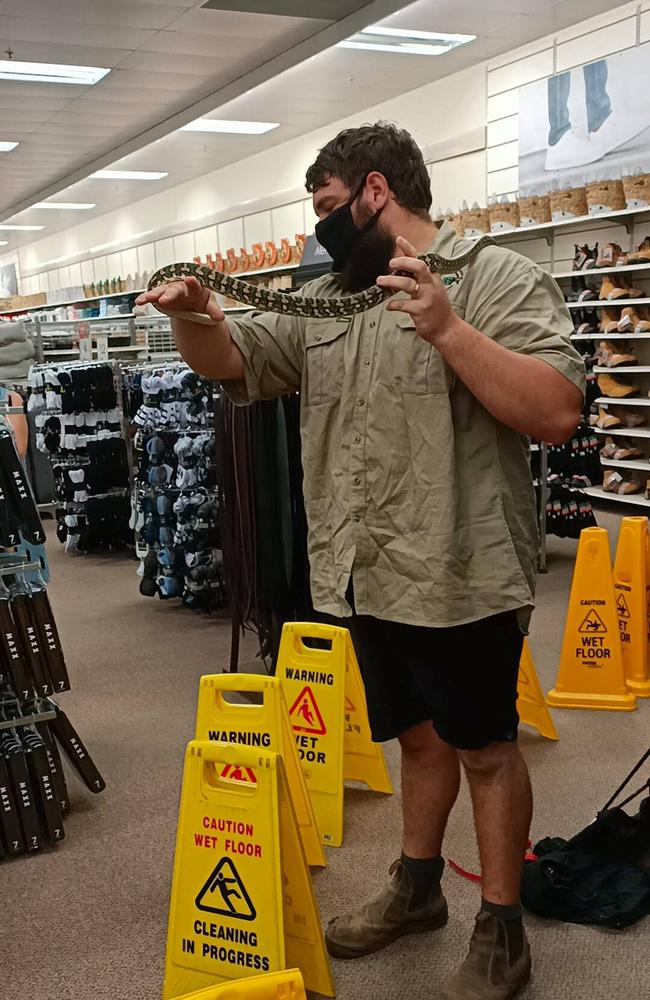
(288,304)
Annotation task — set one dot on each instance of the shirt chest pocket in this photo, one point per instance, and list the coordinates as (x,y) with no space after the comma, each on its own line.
(417,367)
(325,343)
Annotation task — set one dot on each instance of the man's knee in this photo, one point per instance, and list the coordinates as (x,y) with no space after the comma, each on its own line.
(488,760)
(422,740)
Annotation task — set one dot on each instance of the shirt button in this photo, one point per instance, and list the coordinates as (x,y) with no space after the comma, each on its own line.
(318,337)
(361,402)
(357,517)
(372,324)
(356,481)
(366,362)
(357,439)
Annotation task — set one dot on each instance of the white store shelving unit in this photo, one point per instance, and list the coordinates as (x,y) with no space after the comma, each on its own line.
(631,225)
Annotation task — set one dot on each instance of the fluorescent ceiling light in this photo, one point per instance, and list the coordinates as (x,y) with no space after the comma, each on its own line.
(51,72)
(236,128)
(6,146)
(70,206)
(129,175)
(404,41)
(4,243)
(22,229)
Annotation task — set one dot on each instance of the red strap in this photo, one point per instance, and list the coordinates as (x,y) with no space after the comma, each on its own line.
(529,856)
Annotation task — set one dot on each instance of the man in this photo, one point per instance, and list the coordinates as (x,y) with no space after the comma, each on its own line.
(422,523)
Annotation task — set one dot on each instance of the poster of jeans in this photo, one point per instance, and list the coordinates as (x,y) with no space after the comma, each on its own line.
(8,281)
(587,124)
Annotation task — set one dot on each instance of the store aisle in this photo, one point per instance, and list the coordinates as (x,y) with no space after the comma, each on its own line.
(89,920)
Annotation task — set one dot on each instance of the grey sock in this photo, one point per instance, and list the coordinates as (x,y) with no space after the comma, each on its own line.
(511,916)
(425,874)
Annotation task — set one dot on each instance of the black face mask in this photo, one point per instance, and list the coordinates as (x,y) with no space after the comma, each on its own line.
(338,232)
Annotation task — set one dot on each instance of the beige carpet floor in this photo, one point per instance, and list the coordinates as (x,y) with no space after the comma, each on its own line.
(87,921)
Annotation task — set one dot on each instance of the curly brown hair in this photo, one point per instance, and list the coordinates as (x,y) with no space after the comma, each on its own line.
(384,147)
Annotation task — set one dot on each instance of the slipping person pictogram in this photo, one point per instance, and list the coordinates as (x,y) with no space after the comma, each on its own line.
(224,893)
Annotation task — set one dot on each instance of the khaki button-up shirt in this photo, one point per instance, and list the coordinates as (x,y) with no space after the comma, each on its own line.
(411,486)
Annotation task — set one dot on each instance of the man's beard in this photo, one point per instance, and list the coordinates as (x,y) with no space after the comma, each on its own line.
(368,258)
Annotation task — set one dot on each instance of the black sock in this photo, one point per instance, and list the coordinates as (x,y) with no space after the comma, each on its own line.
(425,874)
(511,917)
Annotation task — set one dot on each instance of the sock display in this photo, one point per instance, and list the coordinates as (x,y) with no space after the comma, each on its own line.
(174,504)
(80,425)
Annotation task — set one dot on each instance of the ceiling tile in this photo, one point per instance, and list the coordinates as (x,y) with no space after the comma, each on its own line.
(99,12)
(259,26)
(69,31)
(177,63)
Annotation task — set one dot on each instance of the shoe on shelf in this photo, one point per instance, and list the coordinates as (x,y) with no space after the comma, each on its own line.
(609,290)
(614,482)
(586,321)
(488,973)
(608,320)
(396,911)
(642,255)
(580,291)
(608,421)
(629,320)
(627,417)
(643,320)
(615,388)
(610,255)
(608,449)
(629,486)
(609,357)
(624,449)
(584,257)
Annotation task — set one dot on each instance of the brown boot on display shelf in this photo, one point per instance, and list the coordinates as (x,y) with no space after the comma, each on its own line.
(608,449)
(615,388)
(626,417)
(610,255)
(491,971)
(642,255)
(613,482)
(607,421)
(609,289)
(400,909)
(643,320)
(624,449)
(609,357)
(608,320)
(629,320)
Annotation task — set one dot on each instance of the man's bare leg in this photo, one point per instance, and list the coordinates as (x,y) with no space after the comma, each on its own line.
(430,783)
(503,805)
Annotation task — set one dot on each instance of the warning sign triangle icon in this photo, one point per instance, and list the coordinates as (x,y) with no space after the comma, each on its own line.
(349,707)
(305,714)
(621,607)
(225,894)
(593,624)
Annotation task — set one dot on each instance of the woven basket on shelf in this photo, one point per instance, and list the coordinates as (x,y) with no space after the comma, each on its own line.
(535,210)
(503,215)
(637,190)
(605,196)
(475,222)
(568,204)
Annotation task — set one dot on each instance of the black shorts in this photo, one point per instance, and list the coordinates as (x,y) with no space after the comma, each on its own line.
(463,678)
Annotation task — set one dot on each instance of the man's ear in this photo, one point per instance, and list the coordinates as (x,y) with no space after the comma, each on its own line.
(376,191)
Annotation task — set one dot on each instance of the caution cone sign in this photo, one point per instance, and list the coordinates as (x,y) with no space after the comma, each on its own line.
(531,706)
(329,719)
(591,671)
(264,725)
(273,986)
(631,589)
(242,900)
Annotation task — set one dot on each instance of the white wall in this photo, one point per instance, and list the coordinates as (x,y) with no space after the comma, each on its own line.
(442,112)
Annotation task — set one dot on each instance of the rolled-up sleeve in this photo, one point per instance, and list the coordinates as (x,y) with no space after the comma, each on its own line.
(519,305)
(272,347)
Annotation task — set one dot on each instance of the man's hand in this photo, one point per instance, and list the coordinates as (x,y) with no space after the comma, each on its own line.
(187,295)
(428,305)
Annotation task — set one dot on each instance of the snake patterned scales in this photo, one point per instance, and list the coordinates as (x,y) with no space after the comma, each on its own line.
(267,300)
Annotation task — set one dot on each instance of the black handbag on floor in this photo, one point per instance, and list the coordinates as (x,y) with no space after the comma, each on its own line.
(602,875)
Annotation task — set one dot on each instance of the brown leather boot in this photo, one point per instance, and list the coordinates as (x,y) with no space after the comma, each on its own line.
(387,917)
(486,973)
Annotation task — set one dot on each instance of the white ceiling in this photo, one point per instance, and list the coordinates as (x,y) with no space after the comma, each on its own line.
(174,60)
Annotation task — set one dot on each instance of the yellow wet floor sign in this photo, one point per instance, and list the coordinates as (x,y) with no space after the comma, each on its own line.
(266,726)
(591,665)
(631,578)
(242,901)
(531,706)
(273,986)
(327,708)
